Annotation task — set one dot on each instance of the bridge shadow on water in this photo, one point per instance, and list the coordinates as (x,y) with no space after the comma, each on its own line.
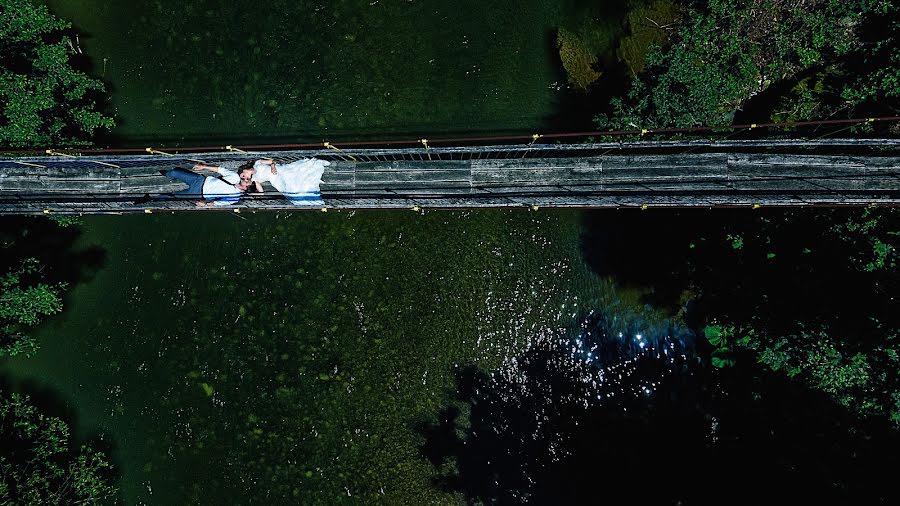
(54,246)
(649,428)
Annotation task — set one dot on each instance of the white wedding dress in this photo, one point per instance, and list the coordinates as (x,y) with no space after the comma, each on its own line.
(298,181)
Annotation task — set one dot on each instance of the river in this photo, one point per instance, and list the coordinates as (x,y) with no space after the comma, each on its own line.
(375,357)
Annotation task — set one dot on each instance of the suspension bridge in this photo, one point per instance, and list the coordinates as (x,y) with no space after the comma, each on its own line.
(421,175)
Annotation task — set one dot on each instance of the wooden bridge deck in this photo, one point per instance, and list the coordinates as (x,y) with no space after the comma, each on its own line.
(559,177)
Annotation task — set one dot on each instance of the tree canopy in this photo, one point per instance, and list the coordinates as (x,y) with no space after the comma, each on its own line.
(825,56)
(23,304)
(38,466)
(44,100)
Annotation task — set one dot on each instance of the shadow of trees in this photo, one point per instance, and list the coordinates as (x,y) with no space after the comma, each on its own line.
(50,403)
(791,266)
(53,245)
(539,434)
(59,262)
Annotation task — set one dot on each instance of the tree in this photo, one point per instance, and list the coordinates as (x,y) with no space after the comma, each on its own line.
(44,100)
(39,467)
(814,305)
(728,51)
(22,305)
(40,262)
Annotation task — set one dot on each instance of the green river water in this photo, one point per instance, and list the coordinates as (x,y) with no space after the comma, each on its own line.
(209,71)
(291,355)
(282,358)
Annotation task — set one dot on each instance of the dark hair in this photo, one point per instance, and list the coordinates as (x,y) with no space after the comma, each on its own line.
(252,188)
(246,166)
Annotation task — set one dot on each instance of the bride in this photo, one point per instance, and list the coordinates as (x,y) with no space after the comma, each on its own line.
(298,181)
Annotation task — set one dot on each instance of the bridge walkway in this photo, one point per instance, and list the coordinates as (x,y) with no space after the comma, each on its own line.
(831,172)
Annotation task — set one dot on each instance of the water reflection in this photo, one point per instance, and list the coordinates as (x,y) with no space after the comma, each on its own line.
(615,412)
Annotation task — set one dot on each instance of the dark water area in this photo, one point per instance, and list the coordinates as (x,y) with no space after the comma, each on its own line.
(751,262)
(641,419)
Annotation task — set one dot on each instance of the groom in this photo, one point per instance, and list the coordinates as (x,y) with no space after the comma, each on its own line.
(222,190)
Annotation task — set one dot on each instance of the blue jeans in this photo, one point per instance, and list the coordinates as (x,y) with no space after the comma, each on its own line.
(192,179)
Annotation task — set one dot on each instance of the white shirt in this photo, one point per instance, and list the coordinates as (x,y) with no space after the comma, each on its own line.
(222,193)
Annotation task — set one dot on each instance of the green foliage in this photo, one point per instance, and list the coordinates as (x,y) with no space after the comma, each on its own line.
(23,303)
(865,82)
(724,342)
(45,101)
(879,251)
(39,467)
(727,51)
(862,381)
(808,295)
(803,102)
(65,220)
(878,82)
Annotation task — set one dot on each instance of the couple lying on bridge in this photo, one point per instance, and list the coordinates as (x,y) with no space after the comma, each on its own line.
(298,181)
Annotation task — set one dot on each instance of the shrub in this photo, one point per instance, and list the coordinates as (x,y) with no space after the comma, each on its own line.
(39,467)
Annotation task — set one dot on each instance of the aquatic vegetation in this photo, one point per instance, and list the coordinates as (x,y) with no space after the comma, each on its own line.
(65,220)
(649,23)
(577,59)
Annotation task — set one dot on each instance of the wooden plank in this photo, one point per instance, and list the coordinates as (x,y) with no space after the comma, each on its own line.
(857,183)
(95,172)
(331,179)
(528,164)
(597,201)
(399,168)
(784,185)
(367,179)
(883,164)
(798,160)
(542,175)
(535,171)
(414,190)
(665,161)
(690,185)
(754,165)
(151,170)
(151,184)
(664,168)
(45,184)
(413,166)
